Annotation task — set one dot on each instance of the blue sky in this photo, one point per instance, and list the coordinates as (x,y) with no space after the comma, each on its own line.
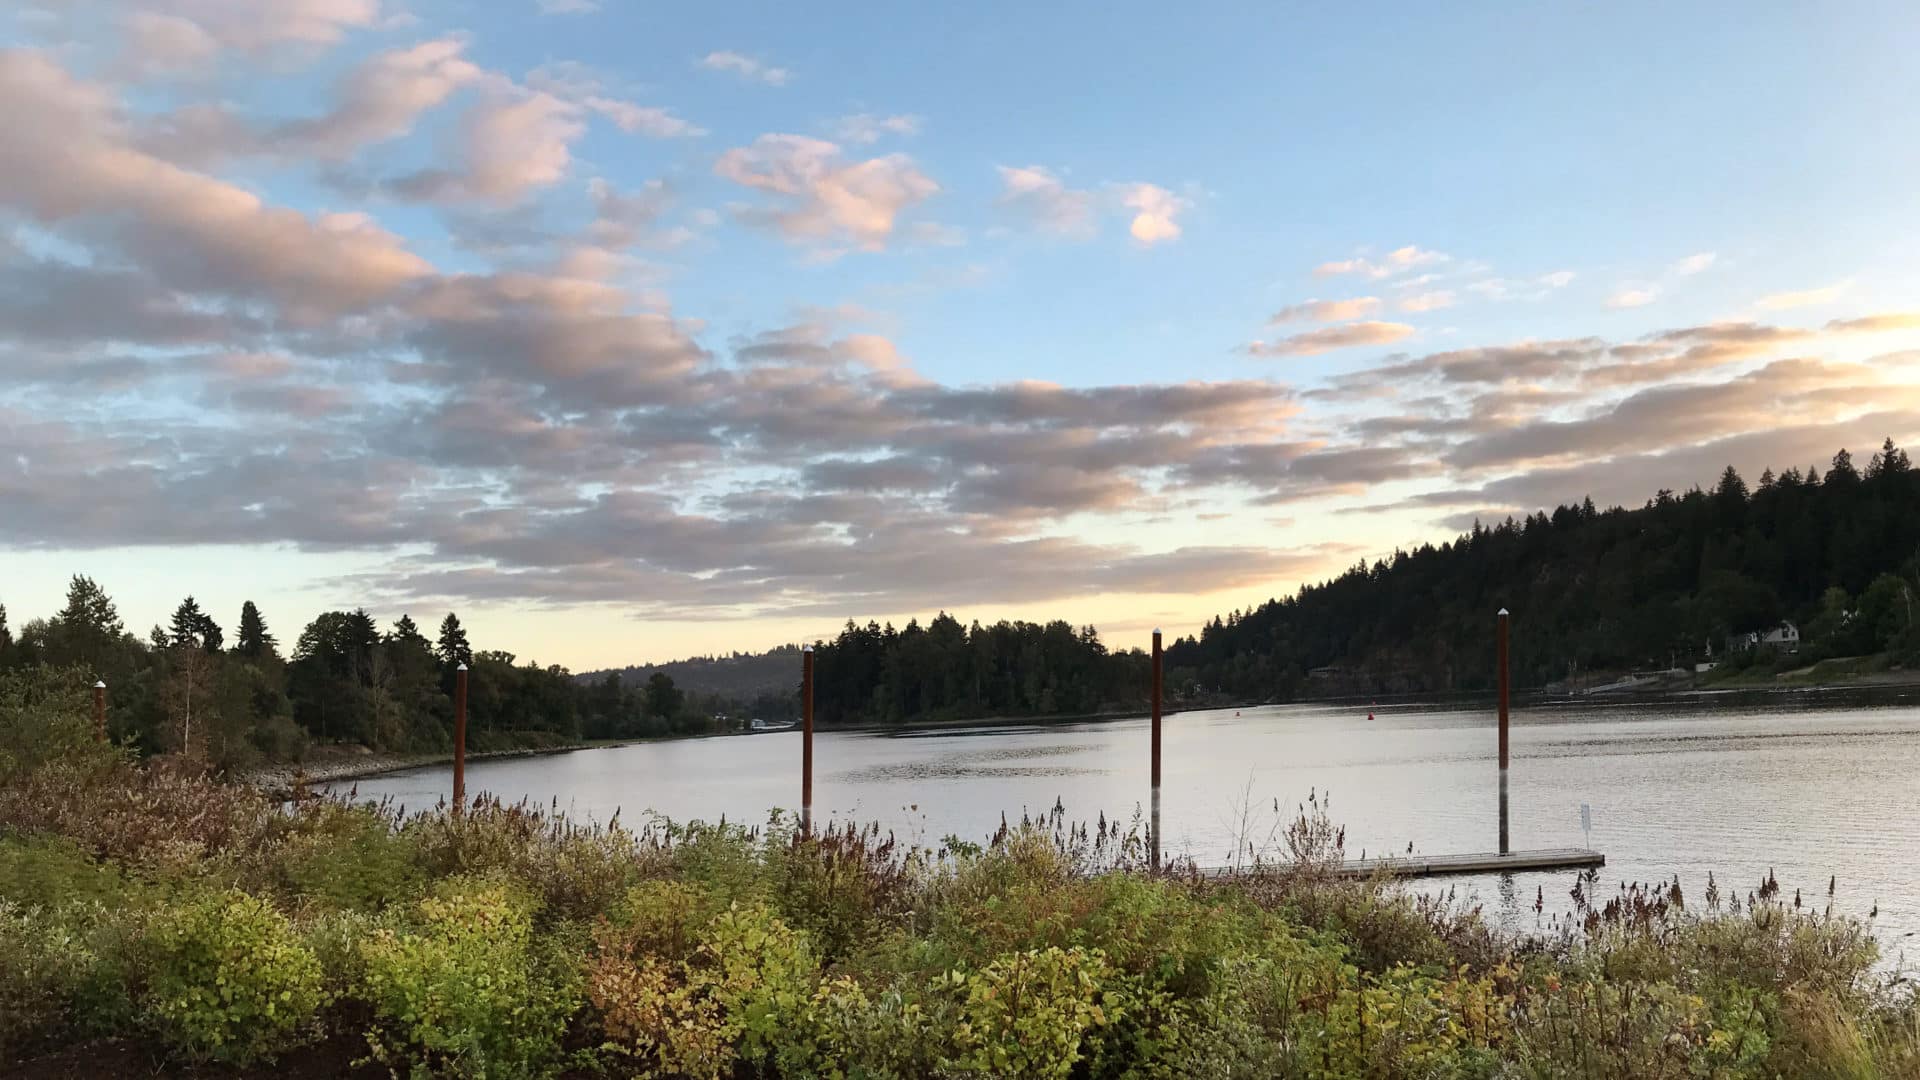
(632,331)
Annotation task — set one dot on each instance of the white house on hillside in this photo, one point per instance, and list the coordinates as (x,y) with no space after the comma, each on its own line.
(1785,637)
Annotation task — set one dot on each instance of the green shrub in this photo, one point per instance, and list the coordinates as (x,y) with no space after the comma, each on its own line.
(841,885)
(59,979)
(351,859)
(761,972)
(661,919)
(850,1033)
(1025,1014)
(743,993)
(465,990)
(230,979)
(41,871)
(1627,1030)
(578,873)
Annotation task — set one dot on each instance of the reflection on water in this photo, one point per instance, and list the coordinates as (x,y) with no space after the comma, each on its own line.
(1808,784)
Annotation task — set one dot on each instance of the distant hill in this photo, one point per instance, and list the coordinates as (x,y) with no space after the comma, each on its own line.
(742,676)
(1665,584)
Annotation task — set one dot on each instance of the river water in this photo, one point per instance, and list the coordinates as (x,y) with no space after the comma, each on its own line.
(1812,785)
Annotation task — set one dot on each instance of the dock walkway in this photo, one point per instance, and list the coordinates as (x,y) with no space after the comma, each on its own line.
(1490,862)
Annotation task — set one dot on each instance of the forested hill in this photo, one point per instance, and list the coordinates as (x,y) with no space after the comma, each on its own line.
(740,676)
(1591,590)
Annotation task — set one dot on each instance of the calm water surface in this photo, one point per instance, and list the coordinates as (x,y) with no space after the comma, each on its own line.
(1811,784)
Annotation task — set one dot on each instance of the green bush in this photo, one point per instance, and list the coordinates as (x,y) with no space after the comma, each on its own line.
(841,885)
(40,870)
(1026,1014)
(850,1033)
(230,978)
(351,859)
(54,983)
(742,994)
(464,990)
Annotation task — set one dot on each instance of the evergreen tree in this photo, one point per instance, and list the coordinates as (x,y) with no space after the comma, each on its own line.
(1889,461)
(1731,487)
(453,649)
(193,628)
(6,635)
(663,698)
(255,642)
(1842,473)
(405,629)
(185,631)
(90,609)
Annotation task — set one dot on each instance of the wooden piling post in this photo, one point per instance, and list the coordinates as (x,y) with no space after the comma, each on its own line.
(1500,635)
(100,711)
(806,739)
(460,739)
(1153,838)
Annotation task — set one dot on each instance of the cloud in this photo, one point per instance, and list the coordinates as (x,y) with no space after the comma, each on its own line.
(539,423)
(1627,479)
(651,121)
(1826,294)
(169,37)
(66,158)
(746,67)
(159,43)
(626,219)
(821,198)
(1693,264)
(511,142)
(1593,361)
(1327,339)
(1329,310)
(862,129)
(380,99)
(1042,196)
(1684,414)
(1872,324)
(1633,296)
(581,85)
(1397,261)
(1154,211)
(579,339)
(1428,301)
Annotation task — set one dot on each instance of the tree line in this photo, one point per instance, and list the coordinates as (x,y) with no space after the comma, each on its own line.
(874,674)
(1667,583)
(1836,551)
(184,688)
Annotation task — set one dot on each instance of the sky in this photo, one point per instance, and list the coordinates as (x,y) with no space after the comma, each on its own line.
(632,330)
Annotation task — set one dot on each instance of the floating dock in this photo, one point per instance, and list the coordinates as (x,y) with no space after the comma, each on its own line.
(1490,862)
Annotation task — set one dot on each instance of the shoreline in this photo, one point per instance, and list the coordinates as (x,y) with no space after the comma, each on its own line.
(333,765)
